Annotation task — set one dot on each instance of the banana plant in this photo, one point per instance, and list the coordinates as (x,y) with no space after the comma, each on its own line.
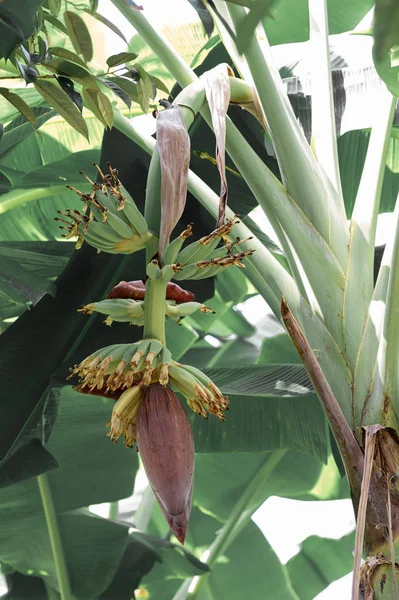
(326,298)
(343,326)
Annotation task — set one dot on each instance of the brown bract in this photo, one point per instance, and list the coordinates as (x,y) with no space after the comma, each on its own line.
(166,445)
(135,290)
(217,89)
(174,151)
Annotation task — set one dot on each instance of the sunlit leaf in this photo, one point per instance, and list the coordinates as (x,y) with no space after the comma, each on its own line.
(100,105)
(19,129)
(20,104)
(79,34)
(56,23)
(118,91)
(54,6)
(109,24)
(61,66)
(260,572)
(62,104)
(159,84)
(121,58)
(386,41)
(319,563)
(68,55)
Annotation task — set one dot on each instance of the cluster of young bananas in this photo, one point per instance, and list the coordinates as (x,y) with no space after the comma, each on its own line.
(203,258)
(112,222)
(124,371)
(125,310)
(112,369)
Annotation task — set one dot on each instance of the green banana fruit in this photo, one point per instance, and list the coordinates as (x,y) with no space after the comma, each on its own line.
(173,249)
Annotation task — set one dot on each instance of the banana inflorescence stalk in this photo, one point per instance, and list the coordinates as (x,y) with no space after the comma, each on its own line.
(140,377)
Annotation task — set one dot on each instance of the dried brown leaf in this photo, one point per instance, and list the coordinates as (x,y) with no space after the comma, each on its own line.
(217,89)
(174,151)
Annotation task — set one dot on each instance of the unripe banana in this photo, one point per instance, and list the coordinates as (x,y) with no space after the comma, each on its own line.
(97,241)
(205,272)
(168,272)
(155,347)
(106,201)
(186,272)
(153,270)
(197,251)
(119,308)
(98,214)
(129,353)
(186,309)
(115,352)
(173,249)
(183,381)
(132,213)
(119,226)
(204,379)
(102,230)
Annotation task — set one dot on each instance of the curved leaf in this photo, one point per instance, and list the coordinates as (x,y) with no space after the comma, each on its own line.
(121,58)
(100,106)
(319,563)
(68,55)
(79,34)
(20,105)
(109,24)
(61,66)
(59,100)
(19,129)
(260,572)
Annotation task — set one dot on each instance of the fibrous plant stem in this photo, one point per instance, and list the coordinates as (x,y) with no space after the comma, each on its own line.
(55,538)
(351,453)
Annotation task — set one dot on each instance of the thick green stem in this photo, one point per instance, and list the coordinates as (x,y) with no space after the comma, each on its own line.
(301,174)
(239,517)
(154,309)
(324,135)
(113,510)
(55,538)
(172,61)
(363,227)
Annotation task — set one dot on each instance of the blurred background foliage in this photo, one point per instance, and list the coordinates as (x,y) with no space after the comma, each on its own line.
(57,101)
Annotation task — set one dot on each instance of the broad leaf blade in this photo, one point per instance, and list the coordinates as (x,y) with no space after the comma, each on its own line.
(262,380)
(20,105)
(79,34)
(62,104)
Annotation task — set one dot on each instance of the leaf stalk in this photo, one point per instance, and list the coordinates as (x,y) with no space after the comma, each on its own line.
(55,538)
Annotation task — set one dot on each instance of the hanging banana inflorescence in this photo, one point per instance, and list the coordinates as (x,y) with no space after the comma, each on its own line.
(140,377)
